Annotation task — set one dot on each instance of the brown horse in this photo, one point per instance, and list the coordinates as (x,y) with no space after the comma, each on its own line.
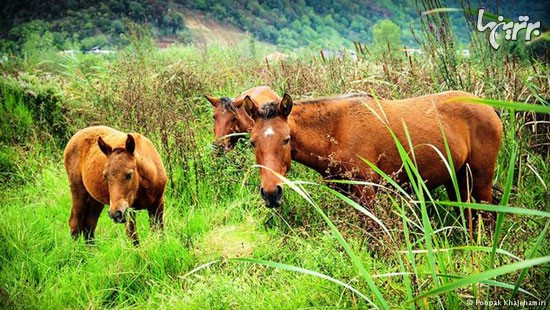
(230,118)
(331,134)
(106,166)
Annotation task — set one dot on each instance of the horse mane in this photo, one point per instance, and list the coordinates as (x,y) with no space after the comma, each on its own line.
(227,104)
(119,150)
(268,110)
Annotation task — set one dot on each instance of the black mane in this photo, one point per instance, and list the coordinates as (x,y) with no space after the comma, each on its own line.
(227,104)
(268,110)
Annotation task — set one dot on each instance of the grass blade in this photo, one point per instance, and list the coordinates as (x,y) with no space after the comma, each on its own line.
(338,236)
(531,255)
(469,248)
(304,271)
(477,278)
(495,208)
(518,106)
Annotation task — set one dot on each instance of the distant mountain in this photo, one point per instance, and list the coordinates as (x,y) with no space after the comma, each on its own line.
(70,24)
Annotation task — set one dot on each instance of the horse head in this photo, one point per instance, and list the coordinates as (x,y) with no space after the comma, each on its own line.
(270,137)
(122,175)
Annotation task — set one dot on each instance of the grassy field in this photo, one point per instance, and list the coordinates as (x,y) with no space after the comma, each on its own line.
(221,247)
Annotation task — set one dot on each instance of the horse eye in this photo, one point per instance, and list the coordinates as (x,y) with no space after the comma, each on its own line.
(252,143)
(129,175)
(234,119)
(285,141)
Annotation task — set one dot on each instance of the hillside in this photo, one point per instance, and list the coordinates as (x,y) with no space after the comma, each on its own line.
(205,31)
(285,23)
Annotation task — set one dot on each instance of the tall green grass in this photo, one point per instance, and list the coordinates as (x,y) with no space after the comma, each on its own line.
(437,248)
(310,254)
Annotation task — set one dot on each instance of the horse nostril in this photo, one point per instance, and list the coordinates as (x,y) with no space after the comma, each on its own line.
(117,216)
(279,191)
(262,192)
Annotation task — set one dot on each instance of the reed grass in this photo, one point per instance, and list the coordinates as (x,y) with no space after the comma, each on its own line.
(221,247)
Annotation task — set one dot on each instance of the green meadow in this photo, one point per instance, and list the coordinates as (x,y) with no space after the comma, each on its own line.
(221,248)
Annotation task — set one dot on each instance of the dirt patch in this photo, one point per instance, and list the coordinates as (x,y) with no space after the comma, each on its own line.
(231,241)
(207,31)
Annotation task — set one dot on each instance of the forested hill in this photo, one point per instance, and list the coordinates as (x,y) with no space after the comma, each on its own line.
(81,24)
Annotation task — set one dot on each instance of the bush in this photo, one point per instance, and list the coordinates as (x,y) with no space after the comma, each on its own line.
(17,118)
(98,40)
(9,169)
(31,107)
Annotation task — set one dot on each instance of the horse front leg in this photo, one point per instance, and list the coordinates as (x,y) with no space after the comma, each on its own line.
(131,228)
(93,211)
(156,214)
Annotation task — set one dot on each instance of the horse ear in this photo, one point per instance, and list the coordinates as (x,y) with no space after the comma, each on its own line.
(285,107)
(213,100)
(238,103)
(250,107)
(130,144)
(104,147)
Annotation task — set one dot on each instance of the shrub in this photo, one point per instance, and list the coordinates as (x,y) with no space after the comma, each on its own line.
(31,107)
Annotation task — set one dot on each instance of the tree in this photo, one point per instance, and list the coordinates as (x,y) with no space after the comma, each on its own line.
(384,32)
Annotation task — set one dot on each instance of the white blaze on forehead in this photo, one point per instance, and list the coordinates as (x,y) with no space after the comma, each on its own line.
(269,132)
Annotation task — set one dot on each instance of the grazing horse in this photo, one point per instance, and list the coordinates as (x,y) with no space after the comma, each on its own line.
(106,166)
(230,117)
(331,134)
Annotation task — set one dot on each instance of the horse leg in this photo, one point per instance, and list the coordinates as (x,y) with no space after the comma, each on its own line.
(483,193)
(477,183)
(131,228)
(79,196)
(483,162)
(156,214)
(93,210)
(464,181)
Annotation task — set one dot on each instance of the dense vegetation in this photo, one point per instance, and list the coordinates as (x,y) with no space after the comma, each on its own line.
(289,24)
(221,247)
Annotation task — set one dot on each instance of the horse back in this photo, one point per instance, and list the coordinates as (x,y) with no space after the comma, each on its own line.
(260,94)
(472,131)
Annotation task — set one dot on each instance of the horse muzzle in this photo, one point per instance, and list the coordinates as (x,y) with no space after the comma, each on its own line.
(220,148)
(119,214)
(272,199)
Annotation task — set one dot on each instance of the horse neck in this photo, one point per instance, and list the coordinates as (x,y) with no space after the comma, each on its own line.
(146,168)
(309,127)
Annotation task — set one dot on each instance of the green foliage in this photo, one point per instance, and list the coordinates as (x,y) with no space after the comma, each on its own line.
(289,24)
(17,119)
(9,166)
(90,42)
(30,108)
(386,34)
(213,210)
(95,24)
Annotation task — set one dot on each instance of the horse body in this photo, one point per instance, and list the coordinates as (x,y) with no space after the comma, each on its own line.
(106,166)
(331,135)
(229,117)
